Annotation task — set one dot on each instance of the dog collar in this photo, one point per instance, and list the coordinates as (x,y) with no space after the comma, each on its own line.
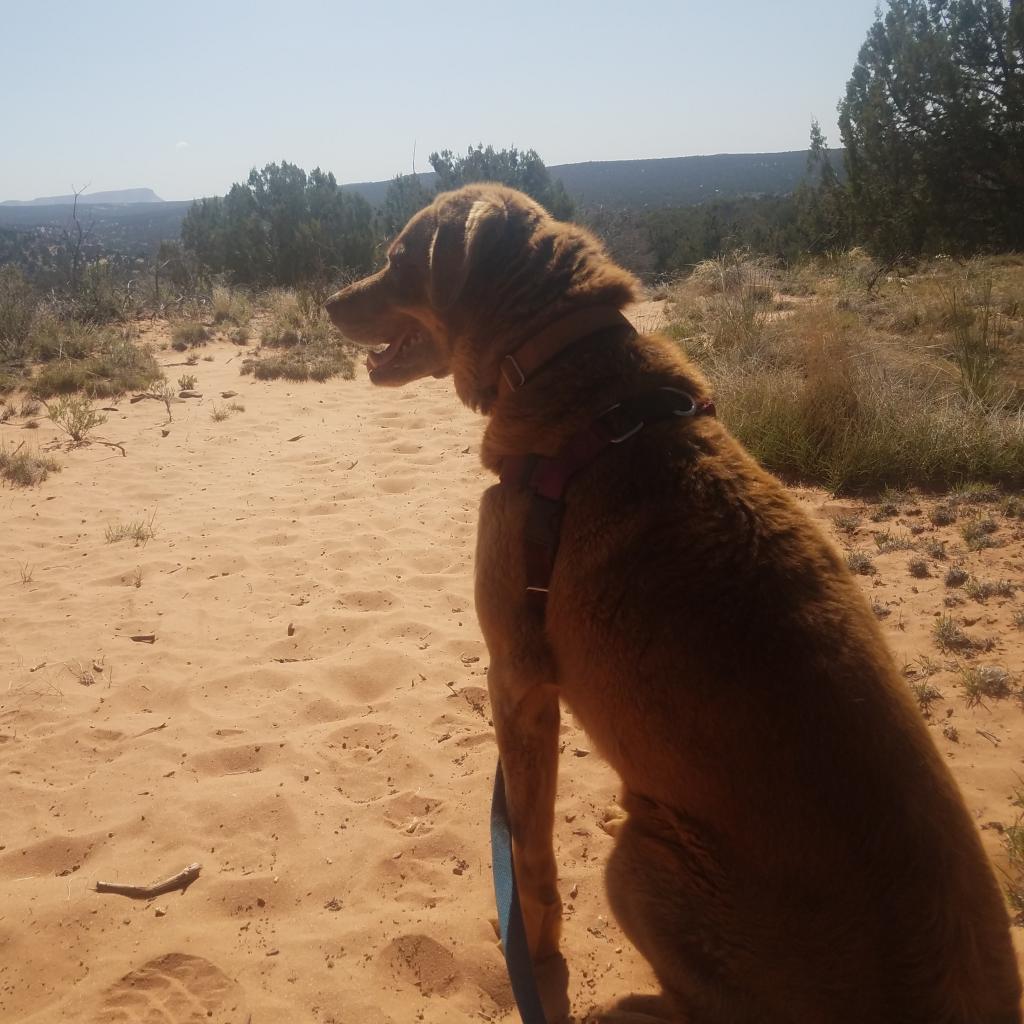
(520,366)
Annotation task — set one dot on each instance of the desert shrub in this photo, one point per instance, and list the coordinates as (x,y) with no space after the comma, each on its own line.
(187,382)
(75,415)
(188,334)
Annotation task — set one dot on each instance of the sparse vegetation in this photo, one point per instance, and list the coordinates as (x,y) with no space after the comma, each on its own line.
(1013,837)
(942,515)
(860,563)
(985,682)
(75,415)
(926,695)
(887,541)
(188,334)
(230,307)
(98,362)
(187,381)
(138,530)
(982,590)
(934,548)
(309,348)
(956,576)
(22,468)
(857,390)
(949,636)
(847,522)
(918,568)
(977,533)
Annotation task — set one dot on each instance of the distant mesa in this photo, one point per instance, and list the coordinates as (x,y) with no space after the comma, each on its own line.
(119,197)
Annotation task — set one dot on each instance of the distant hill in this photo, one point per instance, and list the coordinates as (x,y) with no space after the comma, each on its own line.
(135,221)
(686,180)
(669,181)
(122,196)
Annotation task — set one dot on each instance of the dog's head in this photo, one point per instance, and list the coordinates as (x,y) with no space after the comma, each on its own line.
(470,277)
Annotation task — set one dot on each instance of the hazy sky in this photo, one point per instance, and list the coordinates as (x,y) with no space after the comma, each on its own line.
(185,97)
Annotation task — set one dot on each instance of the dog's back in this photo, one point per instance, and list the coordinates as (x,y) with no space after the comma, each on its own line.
(807,843)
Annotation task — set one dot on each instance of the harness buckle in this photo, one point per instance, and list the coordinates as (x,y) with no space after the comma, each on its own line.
(515,385)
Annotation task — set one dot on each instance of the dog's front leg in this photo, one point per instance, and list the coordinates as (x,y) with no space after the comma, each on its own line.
(526,722)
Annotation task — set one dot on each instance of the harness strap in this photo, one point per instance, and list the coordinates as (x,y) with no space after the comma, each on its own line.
(548,477)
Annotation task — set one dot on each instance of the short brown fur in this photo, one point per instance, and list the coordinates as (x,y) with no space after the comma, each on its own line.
(795,848)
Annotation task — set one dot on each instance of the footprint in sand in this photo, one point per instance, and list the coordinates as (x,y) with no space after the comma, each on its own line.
(173,989)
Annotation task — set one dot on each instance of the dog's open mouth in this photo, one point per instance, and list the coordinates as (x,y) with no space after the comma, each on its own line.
(395,352)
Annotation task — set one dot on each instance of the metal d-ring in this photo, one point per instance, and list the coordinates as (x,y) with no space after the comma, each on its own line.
(683,412)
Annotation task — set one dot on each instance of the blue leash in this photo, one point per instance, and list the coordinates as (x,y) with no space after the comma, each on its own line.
(510,916)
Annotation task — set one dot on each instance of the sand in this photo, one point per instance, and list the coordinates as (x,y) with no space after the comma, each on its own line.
(310,722)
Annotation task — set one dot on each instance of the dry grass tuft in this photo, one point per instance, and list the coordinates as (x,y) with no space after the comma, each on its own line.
(868,381)
(22,468)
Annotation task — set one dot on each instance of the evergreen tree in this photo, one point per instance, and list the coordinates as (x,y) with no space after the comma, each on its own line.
(821,201)
(282,226)
(522,170)
(933,124)
(406,196)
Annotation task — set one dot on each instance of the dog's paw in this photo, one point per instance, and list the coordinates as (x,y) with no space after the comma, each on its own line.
(613,818)
(634,1010)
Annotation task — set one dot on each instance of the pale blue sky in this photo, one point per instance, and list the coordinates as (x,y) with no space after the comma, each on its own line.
(185,97)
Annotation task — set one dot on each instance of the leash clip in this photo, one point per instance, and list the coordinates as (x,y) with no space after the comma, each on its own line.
(623,435)
(513,384)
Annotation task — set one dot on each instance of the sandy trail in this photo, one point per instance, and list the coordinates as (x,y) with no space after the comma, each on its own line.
(311,722)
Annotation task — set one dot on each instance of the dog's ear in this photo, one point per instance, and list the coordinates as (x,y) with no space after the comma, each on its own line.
(459,242)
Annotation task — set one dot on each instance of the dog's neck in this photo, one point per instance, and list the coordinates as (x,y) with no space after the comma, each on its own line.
(533,355)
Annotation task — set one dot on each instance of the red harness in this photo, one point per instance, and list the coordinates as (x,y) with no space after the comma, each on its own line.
(548,477)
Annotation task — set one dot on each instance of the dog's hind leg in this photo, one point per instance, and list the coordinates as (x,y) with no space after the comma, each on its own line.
(526,722)
(671,898)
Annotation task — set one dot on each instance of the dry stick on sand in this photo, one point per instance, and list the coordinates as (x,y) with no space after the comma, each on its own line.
(182,880)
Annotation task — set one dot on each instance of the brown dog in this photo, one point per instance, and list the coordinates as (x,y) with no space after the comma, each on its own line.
(795,849)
